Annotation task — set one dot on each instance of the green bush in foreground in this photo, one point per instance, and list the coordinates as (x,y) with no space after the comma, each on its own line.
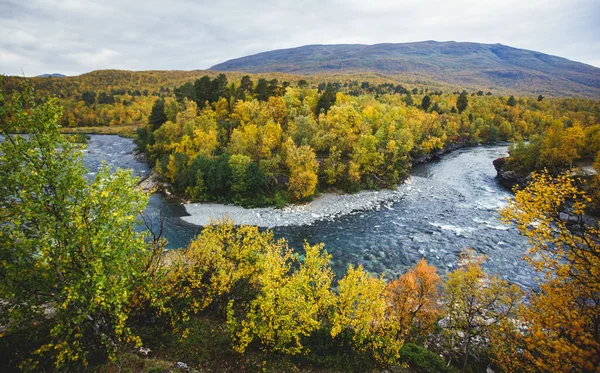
(70,258)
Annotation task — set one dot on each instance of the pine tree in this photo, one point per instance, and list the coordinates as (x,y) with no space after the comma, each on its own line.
(511,101)
(326,100)
(157,117)
(426,102)
(462,102)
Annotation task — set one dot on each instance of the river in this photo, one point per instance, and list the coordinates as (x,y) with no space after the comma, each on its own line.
(446,206)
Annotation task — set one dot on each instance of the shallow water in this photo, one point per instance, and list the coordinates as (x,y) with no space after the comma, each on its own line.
(447,206)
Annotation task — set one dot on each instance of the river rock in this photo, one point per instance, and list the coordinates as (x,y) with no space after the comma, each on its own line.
(506,178)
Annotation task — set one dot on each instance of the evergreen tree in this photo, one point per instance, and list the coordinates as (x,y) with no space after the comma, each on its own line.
(219,88)
(327,99)
(408,100)
(462,102)
(89,98)
(273,88)
(511,101)
(261,90)
(426,102)
(246,84)
(103,98)
(157,117)
(203,90)
(186,91)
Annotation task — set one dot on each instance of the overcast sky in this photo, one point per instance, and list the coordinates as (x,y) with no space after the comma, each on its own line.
(76,36)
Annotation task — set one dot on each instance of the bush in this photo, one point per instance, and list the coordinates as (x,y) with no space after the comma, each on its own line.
(422,360)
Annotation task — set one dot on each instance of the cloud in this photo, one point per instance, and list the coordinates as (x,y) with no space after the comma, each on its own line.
(102,57)
(77,36)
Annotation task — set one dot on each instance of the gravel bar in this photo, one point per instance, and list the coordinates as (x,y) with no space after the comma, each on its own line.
(327,206)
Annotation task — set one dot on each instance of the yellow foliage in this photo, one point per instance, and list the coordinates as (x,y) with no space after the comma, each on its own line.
(558,329)
(303,166)
(361,308)
(289,306)
(475,303)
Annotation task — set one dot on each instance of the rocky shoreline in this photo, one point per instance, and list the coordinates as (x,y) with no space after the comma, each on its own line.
(508,179)
(327,206)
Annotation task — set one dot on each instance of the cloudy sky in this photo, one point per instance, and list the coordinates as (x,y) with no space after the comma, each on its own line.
(76,36)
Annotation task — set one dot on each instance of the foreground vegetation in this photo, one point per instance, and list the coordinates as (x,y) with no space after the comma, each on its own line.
(81,289)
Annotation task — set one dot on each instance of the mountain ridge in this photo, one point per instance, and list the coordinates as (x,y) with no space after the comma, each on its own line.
(489,66)
(53,75)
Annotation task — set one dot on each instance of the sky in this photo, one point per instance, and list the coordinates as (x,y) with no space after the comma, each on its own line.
(72,37)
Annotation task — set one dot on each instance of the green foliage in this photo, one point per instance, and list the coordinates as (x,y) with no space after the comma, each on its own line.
(327,99)
(408,100)
(421,360)
(88,97)
(213,176)
(511,101)
(247,180)
(426,102)
(70,257)
(157,116)
(462,102)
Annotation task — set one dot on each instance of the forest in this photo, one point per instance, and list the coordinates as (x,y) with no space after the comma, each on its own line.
(83,290)
(274,139)
(267,143)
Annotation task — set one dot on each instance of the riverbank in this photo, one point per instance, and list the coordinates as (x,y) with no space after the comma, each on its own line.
(327,206)
(128,131)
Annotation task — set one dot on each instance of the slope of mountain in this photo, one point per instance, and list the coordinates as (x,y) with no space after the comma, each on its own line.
(489,66)
(55,75)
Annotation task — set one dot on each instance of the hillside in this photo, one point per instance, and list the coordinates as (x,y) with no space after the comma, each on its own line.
(471,65)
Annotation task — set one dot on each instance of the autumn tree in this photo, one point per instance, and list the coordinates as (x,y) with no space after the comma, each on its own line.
(557,330)
(413,300)
(475,303)
(211,265)
(302,163)
(290,305)
(70,258)
(360,309)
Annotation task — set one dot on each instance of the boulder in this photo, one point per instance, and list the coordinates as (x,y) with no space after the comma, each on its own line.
(508,179)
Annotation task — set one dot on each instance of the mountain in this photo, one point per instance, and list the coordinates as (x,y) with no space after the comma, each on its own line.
(470,65)
(55,75)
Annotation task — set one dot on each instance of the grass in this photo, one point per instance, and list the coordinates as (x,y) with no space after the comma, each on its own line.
(124,130)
